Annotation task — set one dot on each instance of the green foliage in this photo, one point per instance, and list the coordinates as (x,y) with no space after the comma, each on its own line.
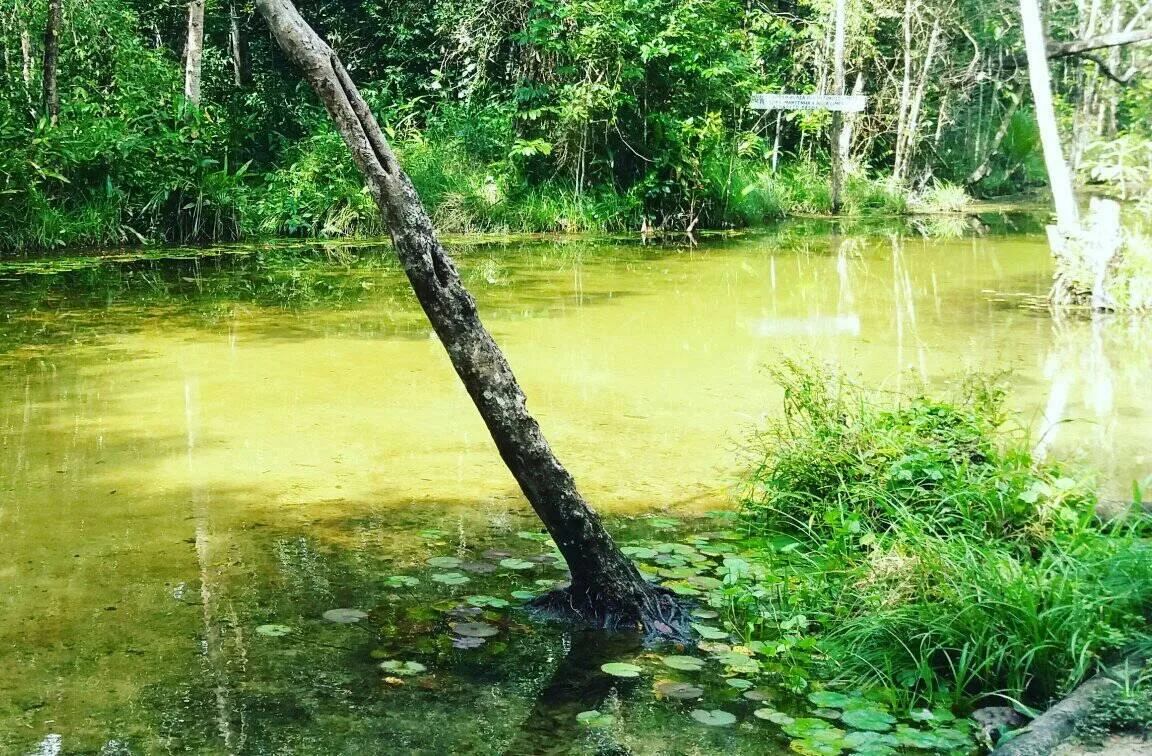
(927,550)
(1127,709)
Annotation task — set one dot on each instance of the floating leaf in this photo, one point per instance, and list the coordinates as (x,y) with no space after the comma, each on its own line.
(444,561)
(682,589)
(516,564)
(523,595)
(686,663)
(401,581)
(402,667)
(473,629)
(621,669)
(738,683)
(450,578)
(664,523)
(868,719)
(530,536)
(811,728)
(638,552)
(496,554)
(872,743)
(709,632)
(678,690)
(344,616)
(489,601)
(275,631)
(807,747)
(832,699)
(432,534)
(594,718)
(541,559)
(466,642)
(825,713)
(704,614)
(776,717)
(713,717)
(477,568)
(759,694)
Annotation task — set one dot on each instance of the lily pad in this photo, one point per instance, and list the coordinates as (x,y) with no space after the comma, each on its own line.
(738,683)
(709,632)
(444,561)
(704,614)
(523,595)
(344,616)
(450,578)
(685,663)
(638,552)
(401,581)
(759,694)
(275,631)
(678,690)
(477,568)
(594,718)
(872,743)
(496,554)
(831,699)
(806,747)
(776,717)
(713,717)
(868,719)
(474,629)
(402,668)
(621,669)
(826,713)
(530,536)
(466,642)
(516,564)
(489,601)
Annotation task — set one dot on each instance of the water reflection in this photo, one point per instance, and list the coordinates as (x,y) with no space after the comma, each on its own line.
(192,448)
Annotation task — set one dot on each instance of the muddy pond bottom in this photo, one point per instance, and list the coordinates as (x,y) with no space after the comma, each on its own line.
(203,452)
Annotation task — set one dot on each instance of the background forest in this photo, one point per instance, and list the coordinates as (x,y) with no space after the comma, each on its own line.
(542,115)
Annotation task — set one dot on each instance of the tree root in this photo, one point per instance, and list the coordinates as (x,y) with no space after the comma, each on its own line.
(656,612)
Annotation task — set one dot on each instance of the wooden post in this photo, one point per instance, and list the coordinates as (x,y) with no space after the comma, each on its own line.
(838,148)
(1059,178)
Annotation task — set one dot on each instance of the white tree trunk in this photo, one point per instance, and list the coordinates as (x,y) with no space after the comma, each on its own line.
(1059,178)
(194,51)
(837,147)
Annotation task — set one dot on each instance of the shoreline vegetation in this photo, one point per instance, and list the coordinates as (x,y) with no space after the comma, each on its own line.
(536,118)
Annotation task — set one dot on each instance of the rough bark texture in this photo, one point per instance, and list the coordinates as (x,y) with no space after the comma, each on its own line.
(194,51)
(51,94)
(1051,728)
(238,47)
(606,591)
(839,149)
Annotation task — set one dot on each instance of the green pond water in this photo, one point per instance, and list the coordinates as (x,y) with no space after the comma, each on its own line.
(198,443)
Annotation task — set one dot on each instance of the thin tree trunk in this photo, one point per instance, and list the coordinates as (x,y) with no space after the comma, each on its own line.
(50,99)
(905,90)
(238,46)
(912,124)
(985,167)
(837,148)
(606,590)
(26,58)
(193,51)
(1067,214)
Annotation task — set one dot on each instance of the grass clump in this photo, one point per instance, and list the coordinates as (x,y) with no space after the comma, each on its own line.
(926,550)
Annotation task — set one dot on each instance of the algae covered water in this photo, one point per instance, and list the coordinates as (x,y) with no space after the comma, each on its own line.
(203,452)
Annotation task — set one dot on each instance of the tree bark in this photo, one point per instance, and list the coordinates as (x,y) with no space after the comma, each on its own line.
(981,172)
(238,46)
(50,99)
(1114,39)
(607,591)
(194,51)
(1059,178)
(839,156)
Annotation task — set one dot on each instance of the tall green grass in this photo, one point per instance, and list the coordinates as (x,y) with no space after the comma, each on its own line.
(928,552)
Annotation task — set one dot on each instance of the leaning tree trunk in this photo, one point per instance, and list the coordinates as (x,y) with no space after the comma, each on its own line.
(51,93)
(194,51)
(606,590)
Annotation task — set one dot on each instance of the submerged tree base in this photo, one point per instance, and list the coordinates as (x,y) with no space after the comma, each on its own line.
(656,612)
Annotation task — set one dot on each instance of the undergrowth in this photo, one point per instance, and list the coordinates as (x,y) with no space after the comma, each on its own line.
(927,551)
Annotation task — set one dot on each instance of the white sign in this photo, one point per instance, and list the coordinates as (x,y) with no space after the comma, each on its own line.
(842,103)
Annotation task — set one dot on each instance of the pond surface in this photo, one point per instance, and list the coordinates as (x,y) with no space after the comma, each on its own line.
(197,443)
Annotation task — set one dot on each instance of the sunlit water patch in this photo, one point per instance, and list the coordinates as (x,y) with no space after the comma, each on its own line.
(195,448)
